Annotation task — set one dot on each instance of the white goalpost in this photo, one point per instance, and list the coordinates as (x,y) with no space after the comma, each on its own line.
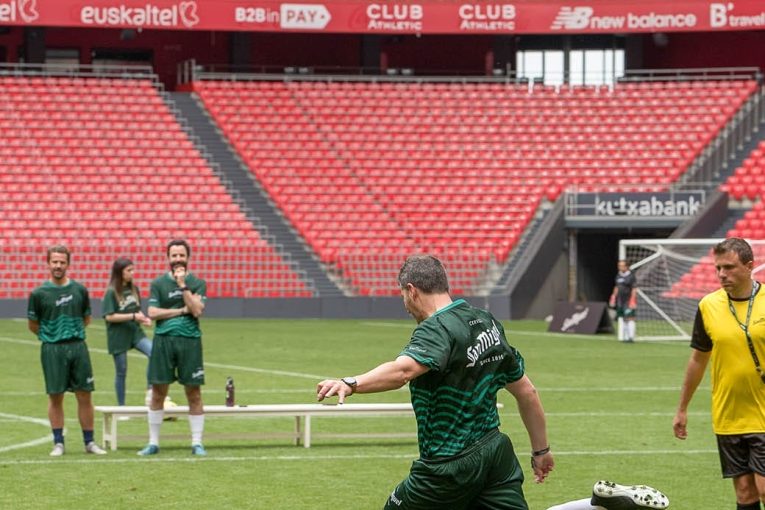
(672,275)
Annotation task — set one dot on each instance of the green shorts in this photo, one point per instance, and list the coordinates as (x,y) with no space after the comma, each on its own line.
(176,358)
(627,313)
(486,475)
(66,367)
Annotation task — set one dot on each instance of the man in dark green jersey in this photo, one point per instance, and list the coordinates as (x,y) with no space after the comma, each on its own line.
(176,302)
(58,312)
(455,362)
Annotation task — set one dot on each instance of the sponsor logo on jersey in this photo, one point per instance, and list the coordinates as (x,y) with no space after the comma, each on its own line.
(484,342)
(174,293)
(182,14)
(129,300)
(64,300)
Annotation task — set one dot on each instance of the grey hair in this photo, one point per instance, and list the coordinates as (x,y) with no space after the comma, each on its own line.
(426,273)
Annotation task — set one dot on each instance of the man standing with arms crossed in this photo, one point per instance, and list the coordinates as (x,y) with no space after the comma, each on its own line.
(176,302)
(730,332)
(58,312)
(456,361)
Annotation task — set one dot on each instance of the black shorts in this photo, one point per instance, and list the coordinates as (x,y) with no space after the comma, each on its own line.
(741,454)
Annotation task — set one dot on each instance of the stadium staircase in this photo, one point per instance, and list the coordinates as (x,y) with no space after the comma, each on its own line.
(746,188)
(102,165)
(367,172)
(219,153)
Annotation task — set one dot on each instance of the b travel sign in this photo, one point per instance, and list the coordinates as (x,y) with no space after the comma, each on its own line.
(660,209)
(392,16)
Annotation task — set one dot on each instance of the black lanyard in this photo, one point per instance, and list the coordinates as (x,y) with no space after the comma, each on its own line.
(745,327)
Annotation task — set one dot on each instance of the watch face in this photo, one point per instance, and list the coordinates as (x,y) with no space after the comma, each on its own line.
(350,381)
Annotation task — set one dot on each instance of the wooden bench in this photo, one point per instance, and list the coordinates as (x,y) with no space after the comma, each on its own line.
(301,412)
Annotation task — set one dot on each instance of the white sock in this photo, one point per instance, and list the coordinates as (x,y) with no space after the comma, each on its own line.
(581,504)
(631,326)
(155,423)
(197,426)
(620,328)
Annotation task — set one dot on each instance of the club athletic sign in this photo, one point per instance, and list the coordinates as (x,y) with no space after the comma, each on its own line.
(391,16)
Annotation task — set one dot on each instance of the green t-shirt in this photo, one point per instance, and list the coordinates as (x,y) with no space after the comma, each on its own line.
(455,402)
(60,310)
(122,336)
(165,293)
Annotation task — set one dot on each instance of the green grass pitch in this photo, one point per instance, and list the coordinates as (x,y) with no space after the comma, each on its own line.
(609,407)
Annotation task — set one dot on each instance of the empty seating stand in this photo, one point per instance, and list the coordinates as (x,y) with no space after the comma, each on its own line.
(102,165)
(369,172)
(746,184)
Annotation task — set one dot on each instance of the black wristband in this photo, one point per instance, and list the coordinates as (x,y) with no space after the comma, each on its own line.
(184,289)
(540,452)
(133,316)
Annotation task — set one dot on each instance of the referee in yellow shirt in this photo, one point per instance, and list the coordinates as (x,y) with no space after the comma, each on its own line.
(730,332)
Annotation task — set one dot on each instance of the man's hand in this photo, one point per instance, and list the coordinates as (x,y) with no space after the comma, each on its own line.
(542,465)
(140,318)
(680,424)
(332,387)
(179,273)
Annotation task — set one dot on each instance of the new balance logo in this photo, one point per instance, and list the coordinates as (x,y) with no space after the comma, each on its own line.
(572,18)
(198,373)
(90,380)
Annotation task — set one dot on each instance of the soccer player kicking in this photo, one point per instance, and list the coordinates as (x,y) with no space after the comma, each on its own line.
(58,312)
(455,363)
(176,302)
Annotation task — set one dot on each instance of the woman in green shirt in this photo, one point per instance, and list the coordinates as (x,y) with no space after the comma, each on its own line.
(123,315)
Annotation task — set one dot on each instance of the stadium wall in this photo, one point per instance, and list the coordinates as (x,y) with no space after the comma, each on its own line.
(295,308)
(708,220)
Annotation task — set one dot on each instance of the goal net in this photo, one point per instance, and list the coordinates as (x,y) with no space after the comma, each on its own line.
(672,275)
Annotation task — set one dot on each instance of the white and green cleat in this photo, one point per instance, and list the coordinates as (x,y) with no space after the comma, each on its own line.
(613,496)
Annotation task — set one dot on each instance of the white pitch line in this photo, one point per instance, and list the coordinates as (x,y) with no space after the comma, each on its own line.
(309,457)
(34,442)
(98,350)
(29,419)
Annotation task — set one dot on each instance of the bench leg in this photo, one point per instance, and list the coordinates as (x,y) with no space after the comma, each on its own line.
(307,432)
(109,431)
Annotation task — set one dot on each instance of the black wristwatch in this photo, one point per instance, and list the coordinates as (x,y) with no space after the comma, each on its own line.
(350,381)
(184,289)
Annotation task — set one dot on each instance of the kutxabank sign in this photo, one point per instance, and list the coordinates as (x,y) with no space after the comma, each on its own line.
(637,205)
(392,16)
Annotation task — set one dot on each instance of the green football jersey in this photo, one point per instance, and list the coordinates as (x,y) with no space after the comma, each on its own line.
(121,336)
(165,293)
(60,310)
(455,402)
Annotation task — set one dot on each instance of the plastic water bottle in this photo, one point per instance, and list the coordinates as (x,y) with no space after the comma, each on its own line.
(229,392)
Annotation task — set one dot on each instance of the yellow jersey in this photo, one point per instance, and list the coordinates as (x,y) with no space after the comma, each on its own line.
(738,392)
